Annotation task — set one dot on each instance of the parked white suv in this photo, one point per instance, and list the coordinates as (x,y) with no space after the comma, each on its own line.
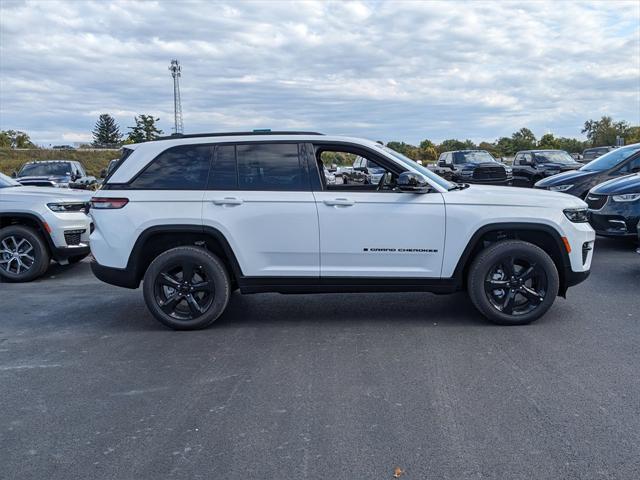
(38,224)
(198,216)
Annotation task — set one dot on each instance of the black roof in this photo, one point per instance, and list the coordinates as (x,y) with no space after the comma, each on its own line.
(176,136)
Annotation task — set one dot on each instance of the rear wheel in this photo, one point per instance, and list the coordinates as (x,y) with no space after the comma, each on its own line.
(186,288)
(23,254)
(513,282)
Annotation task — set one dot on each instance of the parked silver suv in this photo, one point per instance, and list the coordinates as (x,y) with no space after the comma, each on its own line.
(38,224)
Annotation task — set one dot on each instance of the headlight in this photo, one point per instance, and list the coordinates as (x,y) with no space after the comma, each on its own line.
(627,197)
(576,215)
(560,188)
(66,207)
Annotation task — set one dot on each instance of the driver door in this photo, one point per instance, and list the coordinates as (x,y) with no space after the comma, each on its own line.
(375,231)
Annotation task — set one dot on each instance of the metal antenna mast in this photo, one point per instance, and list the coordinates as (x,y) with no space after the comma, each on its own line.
(176,73)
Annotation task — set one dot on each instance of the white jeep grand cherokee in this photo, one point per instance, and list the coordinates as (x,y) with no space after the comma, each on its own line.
(198,216)
(38,224)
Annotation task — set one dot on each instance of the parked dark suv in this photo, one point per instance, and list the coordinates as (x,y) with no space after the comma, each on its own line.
(529,166)
(614,207)
(616,163)
(593,153)
(54,173)
(472,166)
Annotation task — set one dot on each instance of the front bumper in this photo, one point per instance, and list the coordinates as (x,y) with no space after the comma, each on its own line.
(615,222)
(62,254)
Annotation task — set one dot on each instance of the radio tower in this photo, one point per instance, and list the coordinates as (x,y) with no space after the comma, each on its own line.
(176,70)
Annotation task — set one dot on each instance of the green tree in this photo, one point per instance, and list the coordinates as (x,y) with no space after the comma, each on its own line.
(15,139)
(604,131)
(504,147)
(406,149)
(571,145)
(489,147)
(144,130)
(548,141)
(106,133)
(427,151)
(633,136)
(454,144)
(523,139)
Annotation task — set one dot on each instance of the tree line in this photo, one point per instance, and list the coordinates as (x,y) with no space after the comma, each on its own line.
(602,132)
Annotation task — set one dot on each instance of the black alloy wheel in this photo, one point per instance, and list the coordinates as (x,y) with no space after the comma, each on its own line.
(183,290)
(187,287)
(513,282)
(516,285)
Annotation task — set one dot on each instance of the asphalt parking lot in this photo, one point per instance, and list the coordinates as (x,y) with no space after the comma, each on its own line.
(326,386)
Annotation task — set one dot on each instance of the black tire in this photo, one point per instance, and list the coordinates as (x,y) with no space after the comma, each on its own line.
(77,258)
(513,282)
(33,257)
(192,283)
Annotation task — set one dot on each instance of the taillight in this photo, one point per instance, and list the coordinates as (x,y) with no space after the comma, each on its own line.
(103,203)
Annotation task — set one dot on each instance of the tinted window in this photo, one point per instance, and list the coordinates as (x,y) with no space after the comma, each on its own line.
(611,159)
(179,168)
(271,167)
(224,174)
(554,157)
(474,156)
(44,169)
(631,167)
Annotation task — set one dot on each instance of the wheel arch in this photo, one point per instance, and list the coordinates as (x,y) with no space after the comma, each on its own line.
(157,239)
(28,220)
(542,235)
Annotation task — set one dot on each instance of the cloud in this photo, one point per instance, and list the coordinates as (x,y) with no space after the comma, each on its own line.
(380,69)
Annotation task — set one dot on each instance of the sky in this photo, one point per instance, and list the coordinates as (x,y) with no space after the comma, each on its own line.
(384,70)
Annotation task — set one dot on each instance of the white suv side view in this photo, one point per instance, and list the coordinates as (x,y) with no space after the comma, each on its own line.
(38,224)
(199,216)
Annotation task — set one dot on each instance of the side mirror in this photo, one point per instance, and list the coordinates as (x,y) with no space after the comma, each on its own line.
(413,182)
(14,174)
(103,173)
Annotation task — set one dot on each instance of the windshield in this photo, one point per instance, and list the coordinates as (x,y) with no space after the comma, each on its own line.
(45,169)
(559,156)
(7,181)
(611,159)
(475,156)
(407,162)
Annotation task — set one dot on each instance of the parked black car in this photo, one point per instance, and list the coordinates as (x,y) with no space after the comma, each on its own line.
(614,207)
(529,166)
(592,153)
(472,166)
(54,173)
(616,163)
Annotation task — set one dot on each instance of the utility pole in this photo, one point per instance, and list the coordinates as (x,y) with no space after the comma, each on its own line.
(176,73)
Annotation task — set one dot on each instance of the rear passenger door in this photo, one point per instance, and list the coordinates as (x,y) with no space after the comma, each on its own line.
(259,197)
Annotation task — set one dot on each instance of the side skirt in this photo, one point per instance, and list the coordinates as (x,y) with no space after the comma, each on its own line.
(305,285)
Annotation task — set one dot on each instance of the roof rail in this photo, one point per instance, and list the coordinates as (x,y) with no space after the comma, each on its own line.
(175,136)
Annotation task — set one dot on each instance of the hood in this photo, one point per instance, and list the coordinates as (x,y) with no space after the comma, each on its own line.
(512,196)
(619,186)
(53,178)
(48,194)
(563,167)
(565,177)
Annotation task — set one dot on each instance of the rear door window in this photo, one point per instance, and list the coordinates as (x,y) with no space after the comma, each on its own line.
(179,168)
(271,166)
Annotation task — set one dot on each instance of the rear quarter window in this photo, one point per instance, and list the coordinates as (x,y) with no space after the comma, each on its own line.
(179,168)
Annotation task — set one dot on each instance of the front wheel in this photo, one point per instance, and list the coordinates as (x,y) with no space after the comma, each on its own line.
(513,282)
(23,254)
(186,288)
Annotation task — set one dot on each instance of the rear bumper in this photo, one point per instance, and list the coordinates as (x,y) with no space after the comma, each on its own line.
(120,277)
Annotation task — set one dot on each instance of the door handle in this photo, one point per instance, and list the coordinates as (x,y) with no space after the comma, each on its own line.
(227,201)
(340,202)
